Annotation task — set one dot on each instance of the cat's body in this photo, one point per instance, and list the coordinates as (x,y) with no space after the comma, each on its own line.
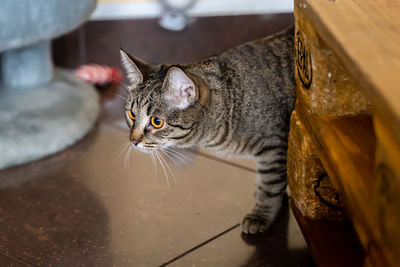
(236,103)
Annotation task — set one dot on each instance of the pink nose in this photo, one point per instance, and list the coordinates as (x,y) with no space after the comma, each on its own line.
(135,142)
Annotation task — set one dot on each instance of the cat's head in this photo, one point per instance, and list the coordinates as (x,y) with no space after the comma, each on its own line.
(163,106)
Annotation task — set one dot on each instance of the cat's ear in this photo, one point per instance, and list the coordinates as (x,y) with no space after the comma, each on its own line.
(180,89)
(136,69)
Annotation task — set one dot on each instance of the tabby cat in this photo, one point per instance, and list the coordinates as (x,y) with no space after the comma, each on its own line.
(238,102)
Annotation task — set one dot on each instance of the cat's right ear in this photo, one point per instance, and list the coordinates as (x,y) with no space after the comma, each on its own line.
(136,69)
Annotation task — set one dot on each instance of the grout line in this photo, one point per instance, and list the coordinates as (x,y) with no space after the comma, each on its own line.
(224,161)
(199,245)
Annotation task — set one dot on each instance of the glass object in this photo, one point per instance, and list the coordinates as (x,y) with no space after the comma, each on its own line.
(174,14)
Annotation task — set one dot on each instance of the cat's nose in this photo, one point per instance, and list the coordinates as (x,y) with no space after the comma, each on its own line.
(135,142)
(135,137)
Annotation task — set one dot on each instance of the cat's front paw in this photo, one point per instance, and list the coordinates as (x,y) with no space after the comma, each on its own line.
(254,224)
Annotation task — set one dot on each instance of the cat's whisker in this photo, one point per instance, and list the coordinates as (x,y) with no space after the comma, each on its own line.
(115,94)
(154,166)
(170,170)
(122,148)
(174,158)
(179,155)
(124,86)
(170,156)
(178,160)
(162,165)
(127,156)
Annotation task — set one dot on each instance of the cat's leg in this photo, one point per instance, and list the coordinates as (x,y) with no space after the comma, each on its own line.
(270,189)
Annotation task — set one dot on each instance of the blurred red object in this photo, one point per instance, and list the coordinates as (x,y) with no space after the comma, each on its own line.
(99,75)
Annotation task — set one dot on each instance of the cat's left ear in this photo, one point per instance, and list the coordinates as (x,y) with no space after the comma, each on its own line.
(180,90)
(136,69)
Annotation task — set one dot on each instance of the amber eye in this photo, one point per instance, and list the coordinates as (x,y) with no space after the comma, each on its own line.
(156,122)
(131,115)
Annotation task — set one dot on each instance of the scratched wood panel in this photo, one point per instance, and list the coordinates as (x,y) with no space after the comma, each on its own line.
(386,195)
(310,187)
(365,35)
(322,81)
(346,148)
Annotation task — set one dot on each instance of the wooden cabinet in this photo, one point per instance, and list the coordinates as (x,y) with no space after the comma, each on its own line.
(348,102)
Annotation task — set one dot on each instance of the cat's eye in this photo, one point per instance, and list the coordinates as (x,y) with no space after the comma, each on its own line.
(131,115)
(156,122)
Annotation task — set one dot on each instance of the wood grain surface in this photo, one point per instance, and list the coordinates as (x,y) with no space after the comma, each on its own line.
(365,35)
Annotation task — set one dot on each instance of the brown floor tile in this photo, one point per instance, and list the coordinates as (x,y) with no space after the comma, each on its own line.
(86,208)
(152,223)
(83,207)
(283,245)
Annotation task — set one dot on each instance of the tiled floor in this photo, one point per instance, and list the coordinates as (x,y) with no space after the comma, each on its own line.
(100,204)
(95,205)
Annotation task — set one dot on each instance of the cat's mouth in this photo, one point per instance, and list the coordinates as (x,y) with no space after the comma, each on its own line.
(146,148)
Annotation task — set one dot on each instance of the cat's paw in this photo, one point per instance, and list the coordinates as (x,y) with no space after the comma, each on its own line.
(254,224)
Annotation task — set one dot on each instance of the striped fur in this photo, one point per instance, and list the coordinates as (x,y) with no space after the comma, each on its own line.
(245,98)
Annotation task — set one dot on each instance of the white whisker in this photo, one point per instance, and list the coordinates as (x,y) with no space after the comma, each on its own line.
(127,157)
(162,165)
(179,155)
(170,156)
(120,96)
(124,86)
(154,166)
(166,164)
(122,148)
